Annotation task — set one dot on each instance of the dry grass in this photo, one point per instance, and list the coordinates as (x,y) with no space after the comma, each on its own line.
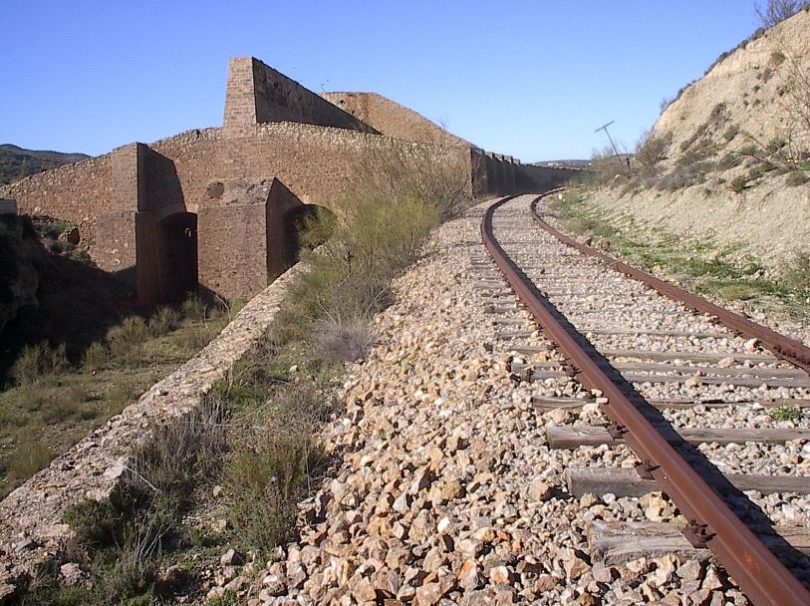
(54,402)
(337,340)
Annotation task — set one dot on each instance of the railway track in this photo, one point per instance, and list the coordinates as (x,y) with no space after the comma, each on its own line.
(686,385)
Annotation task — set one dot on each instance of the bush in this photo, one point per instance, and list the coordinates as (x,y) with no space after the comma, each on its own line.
(124,538)
(120,395)
(797,178)
(193,309)
(776,11)
(29,456)
(269,464)
(797,277)
(651,149)
(164,321)
(39,361)
(738,184)
(59,406)
(95,357)
(337,340)
(786,413)
(124,339)
(728,161)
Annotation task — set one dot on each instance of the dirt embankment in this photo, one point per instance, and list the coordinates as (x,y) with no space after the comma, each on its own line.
(729,159)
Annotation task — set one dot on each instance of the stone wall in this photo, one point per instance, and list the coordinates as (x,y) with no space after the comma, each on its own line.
(245,227)
(530,178)
(76,192)
(256,94)
(31,528)
(324,165)
(392,119)
(128,195)
(144,212)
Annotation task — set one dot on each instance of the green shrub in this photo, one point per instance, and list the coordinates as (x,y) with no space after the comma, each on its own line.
(193,309)
(120,395)
(729,161)
(269,464)
(731,132)
(124,340)
(125,537)
(95,357)
(64,404)
(29,455)
(164,321)
(796,278)
(38,361)
(50,228)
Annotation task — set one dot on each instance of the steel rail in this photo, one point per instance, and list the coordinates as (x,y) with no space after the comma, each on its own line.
(764,579)
(783,347)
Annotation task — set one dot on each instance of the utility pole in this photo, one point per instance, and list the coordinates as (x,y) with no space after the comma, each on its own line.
(604,127)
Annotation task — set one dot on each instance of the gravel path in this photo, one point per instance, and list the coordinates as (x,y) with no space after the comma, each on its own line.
(444,489)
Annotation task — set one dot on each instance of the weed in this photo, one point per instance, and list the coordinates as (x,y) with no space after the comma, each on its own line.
(63,405)
(776,11)
(270,463)
(797,178)
(194,338)
(343,341)
(95,357)
(164,321)
(787,413)
(651,149)
(193,309)
(731,132)
(796,279)
(120,395)
(39,360)
(29,455)
(50,228)
(123,538)
(739,184)
(728,161)
(124,340)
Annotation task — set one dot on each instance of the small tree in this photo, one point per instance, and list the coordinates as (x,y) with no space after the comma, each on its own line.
(776,11)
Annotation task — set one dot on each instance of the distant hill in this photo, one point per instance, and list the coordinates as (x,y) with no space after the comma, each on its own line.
(16,162)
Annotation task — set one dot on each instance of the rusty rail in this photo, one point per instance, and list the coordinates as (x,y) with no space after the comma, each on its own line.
(758,572)
(782,347)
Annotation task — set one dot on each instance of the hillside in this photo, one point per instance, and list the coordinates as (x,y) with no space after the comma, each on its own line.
(729,160)
(16,162)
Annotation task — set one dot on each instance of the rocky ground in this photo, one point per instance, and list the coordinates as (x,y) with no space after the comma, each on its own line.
(445,490)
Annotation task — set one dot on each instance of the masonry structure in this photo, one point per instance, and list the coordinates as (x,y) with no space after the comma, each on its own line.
(216,209)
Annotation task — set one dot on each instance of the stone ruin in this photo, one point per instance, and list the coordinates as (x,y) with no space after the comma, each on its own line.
(214,209)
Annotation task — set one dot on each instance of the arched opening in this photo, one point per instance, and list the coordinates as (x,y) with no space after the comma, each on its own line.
(177,256)
(296,220)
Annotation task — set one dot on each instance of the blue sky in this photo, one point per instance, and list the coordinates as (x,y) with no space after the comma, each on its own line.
(528,78)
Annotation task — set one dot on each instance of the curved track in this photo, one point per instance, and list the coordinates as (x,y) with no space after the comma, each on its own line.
(636,351)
